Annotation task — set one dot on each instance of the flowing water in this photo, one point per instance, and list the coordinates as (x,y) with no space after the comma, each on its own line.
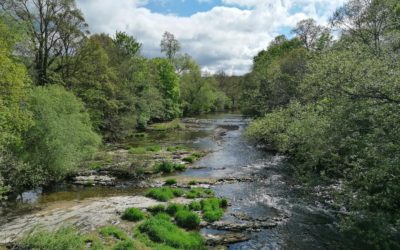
(271,193)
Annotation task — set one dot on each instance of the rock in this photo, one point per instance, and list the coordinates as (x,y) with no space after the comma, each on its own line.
(93,180)
(87,215)
(224,239)
(243,226)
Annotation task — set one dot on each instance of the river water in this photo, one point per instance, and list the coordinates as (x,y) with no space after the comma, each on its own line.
(271,193)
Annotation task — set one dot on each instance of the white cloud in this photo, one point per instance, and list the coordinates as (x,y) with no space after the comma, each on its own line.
(225,37)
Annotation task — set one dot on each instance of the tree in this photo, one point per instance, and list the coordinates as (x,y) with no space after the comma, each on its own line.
(54,28)
(368,21)
(313,36)
(169,45)
(62,135)
(127,45)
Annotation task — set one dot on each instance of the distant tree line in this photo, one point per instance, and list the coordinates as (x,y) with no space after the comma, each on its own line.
(64,91)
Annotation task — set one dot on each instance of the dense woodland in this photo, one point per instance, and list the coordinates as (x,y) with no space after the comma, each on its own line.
(332,105)
(328,98)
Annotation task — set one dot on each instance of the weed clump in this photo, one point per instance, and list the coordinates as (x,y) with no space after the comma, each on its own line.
(195,206)
(173,208)
(156,209)
(169,167)
(164,193)
(133,214)
(199,193)
(159,230)
(211,209)
(170,182)
(187,219)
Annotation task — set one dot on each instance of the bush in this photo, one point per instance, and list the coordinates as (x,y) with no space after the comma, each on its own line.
(66,238)
(164,193)
(133,214)
(173,208)
(195,206)
(223,203)
(170,182)
(192,183)
(187,219)
(179,167)
(62,135)
(156,209)
(113,232)
(162,231)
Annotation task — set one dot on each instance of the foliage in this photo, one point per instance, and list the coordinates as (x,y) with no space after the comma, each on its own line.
(195,206)
(156,209)
(173,208)
(62,135)
(66,238)
(169,167)
(164,193)
(163,231)
(170,182)
(199,193)
(133,214)
(211,209)
(113,231)
(187,219)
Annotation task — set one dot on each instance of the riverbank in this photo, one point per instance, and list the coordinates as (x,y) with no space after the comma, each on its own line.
(265,208)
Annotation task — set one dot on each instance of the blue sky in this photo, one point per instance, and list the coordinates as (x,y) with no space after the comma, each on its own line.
(218,34)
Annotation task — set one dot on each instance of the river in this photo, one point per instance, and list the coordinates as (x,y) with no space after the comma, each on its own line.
(271,192)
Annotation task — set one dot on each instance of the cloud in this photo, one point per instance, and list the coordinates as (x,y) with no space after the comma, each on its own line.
(224,37)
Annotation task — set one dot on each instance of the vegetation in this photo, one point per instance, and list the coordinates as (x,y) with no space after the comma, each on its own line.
(161,230)
(133,214)
(174,208)
(164,193)
(332,106)
(187,219)
(169,167)
(170,182)
(212,209)
(156,209)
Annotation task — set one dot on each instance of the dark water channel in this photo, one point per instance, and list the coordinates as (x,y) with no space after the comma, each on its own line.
(272,193)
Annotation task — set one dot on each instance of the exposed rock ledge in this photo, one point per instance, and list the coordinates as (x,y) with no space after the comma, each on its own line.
(86,215)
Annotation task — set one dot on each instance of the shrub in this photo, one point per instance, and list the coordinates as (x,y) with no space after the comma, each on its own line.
(178,192)
(133,214)
(173,208)
(212,216)
(113,232)
(162,231)
(187,219)
(66,238)
(195,206)
(170,182)
(156,209)
(192,183)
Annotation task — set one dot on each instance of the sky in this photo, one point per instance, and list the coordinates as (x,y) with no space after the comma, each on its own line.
(218,34)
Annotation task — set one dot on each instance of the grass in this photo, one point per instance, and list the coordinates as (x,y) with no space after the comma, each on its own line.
(164,193)
(174,208)
(189,159)
(195,206)
(199,193)
(160,230)
(133,214)
(211,209)
(156,209)
(176,148)
(165,126)
(187,219)
(66,238)
(112,231)
(170,182)
(145,149)
(169,167)
(191,183)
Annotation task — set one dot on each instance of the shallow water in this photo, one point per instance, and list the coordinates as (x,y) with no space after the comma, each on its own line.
(271,194)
